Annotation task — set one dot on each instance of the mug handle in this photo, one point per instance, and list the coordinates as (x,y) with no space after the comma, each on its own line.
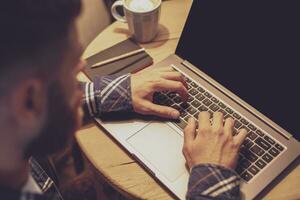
(115,13)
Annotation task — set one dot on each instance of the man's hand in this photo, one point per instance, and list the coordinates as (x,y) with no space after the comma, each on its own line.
(150,80)
(212,144)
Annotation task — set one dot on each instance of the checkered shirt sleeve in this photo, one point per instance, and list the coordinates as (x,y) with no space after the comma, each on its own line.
(107,94)
(208,181)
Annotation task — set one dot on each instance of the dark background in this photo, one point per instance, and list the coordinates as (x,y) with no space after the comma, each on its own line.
(252,48)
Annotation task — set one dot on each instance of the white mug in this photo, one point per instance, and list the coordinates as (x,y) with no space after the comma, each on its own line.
(142,17)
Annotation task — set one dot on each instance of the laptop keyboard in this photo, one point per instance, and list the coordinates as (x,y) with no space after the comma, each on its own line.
(258,149)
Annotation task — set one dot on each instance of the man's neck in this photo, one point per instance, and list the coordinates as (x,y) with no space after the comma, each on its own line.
(15,178)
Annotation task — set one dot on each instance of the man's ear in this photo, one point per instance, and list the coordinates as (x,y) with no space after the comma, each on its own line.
(28,100)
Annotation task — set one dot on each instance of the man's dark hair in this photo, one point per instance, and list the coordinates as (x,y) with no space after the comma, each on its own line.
(33,35)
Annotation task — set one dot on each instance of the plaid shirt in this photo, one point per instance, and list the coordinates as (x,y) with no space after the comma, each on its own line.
(113,94)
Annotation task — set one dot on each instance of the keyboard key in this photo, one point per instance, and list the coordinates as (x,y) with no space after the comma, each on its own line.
(194,84)
(176,107)
(200,89)
(270,140)
(237,124)
(214,107)
(262,143)
(279,147)
(207,102)
(222,105)
(249,144)
(261,164)
(190,99)
(252,135)
(259,133)
(162,97)
(203,108)
(189,87)
(244,121)
(196,103)
(183,113)
(245,163)
(159,98)
(246,176)
(215,100)
(196,115)
(237,116)
(253,170)
(191,110)
(168,102)
(182,124)
(267,157)
(257,150)
(184,105)
(171,94)
(252,127)
(207,94)
(200,97)
(186,118)
(246,141)
(228,110)
(177,99)
(193,92)
(248,154)
(274,152)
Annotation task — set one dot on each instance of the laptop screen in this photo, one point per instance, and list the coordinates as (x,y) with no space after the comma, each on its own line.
(253,49)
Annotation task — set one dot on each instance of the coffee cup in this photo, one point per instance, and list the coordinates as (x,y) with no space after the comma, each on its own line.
(142,17)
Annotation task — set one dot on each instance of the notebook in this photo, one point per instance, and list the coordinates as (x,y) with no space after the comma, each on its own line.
(123,66)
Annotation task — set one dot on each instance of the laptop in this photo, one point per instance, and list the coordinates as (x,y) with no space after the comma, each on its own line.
(239,58)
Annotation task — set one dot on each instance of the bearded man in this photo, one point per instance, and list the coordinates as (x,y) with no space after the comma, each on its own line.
(41,104)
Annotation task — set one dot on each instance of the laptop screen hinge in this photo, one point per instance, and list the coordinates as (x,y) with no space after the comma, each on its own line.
(193,69)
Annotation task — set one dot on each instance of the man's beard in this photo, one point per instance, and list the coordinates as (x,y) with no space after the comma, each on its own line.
(59,128)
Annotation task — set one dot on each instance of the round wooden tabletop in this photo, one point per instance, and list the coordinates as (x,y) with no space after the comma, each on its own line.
(107,157)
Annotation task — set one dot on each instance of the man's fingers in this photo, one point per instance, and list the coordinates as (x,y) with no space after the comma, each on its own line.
(189,136)
(175,76)
(204,123)
(240,137)
(189,131)
(174,86)
(217,124)
(161,111)
(228,127)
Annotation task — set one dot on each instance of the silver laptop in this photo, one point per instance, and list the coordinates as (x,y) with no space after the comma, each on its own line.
(239,58)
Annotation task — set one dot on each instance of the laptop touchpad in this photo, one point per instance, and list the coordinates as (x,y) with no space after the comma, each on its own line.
(161,145)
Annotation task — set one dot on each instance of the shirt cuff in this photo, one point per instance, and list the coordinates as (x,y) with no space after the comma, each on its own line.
(107,94)
(209,181)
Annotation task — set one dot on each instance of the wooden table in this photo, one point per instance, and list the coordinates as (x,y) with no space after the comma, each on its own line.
(108,159)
